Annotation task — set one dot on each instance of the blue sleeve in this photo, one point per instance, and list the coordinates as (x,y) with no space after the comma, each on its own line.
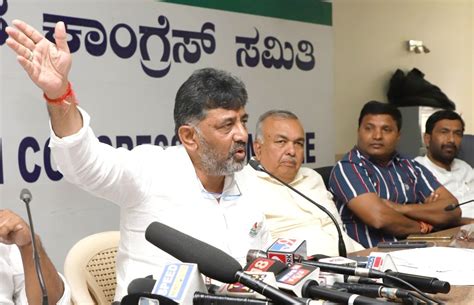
(349,180)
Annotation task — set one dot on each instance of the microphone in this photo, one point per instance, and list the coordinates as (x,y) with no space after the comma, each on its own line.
(359,280)
(364,272)
(25,196)
(144,286)
(212,262)
(141,285)
(261,264)
(311,289)
(177,282)
(375,291)
(293,278)
(286,250)
(454,206)
(342,247)
(210,299)
(424,283)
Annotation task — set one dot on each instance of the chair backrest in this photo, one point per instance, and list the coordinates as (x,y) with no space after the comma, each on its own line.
(89,269)
(325,172)
(466,152)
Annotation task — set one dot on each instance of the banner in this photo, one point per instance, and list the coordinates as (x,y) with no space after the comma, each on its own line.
(129,59)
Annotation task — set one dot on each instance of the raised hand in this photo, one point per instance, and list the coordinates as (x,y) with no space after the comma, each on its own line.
(46,63)
(13,229)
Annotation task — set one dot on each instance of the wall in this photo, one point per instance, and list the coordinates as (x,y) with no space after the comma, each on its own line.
(370,44)
(127,68)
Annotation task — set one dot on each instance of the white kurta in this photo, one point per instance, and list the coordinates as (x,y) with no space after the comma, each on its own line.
(155,184)
(459,181)
(290,215)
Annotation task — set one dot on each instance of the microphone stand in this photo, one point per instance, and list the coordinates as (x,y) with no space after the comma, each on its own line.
(25,196)
(342,247)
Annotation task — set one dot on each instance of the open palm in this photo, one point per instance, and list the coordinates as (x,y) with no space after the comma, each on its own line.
(46,63)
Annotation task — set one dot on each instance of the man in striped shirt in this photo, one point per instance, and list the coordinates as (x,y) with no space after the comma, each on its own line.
(382,195)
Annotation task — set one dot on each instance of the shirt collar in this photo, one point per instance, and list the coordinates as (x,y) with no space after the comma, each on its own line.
(395,158)
(231,190)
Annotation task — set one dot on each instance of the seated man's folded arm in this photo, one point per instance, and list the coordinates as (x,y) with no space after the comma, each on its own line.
(375,213)
(433,210)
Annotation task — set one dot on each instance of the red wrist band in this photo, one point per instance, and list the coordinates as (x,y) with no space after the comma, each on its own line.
(425,227)
(69,96)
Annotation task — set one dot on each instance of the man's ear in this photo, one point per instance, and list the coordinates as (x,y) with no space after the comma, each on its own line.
(257,149)
(188,137)
(426,139)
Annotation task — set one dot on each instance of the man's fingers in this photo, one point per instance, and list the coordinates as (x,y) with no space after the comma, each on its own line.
(432,197)
(18,227)
(60,37)
(30,32)
(14,45)
(20,38)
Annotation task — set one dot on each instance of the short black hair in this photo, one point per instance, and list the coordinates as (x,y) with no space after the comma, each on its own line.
(207,89)
(442,115)
(375,107)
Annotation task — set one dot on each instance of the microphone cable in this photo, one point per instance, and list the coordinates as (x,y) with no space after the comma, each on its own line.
(256,165)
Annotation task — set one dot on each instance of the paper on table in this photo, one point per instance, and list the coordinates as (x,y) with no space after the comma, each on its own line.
(455,265)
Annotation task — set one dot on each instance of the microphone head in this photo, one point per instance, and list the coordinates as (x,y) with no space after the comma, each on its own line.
(441,286)
(211,261)
(256,165)
(253,254)
(141,285)
(25,196)
(450,207)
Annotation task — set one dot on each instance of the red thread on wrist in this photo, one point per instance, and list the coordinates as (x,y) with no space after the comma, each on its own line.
(425,227)
(69,96)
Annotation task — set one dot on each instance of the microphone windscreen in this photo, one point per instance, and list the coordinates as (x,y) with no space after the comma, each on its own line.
(25,195)
(211,261)
(141,285)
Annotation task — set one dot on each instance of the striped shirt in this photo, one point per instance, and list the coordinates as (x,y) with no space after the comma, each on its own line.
(402,181)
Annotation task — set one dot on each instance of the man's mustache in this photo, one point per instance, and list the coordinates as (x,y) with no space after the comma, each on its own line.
(289,159)
(452,146)
(237,146)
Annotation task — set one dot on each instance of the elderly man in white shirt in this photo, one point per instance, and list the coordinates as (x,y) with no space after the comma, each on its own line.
(444,130)
(18,278)
(190,187)
(279,146)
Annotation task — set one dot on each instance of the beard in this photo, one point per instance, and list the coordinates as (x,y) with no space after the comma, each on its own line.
(443,157)
(215,165)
